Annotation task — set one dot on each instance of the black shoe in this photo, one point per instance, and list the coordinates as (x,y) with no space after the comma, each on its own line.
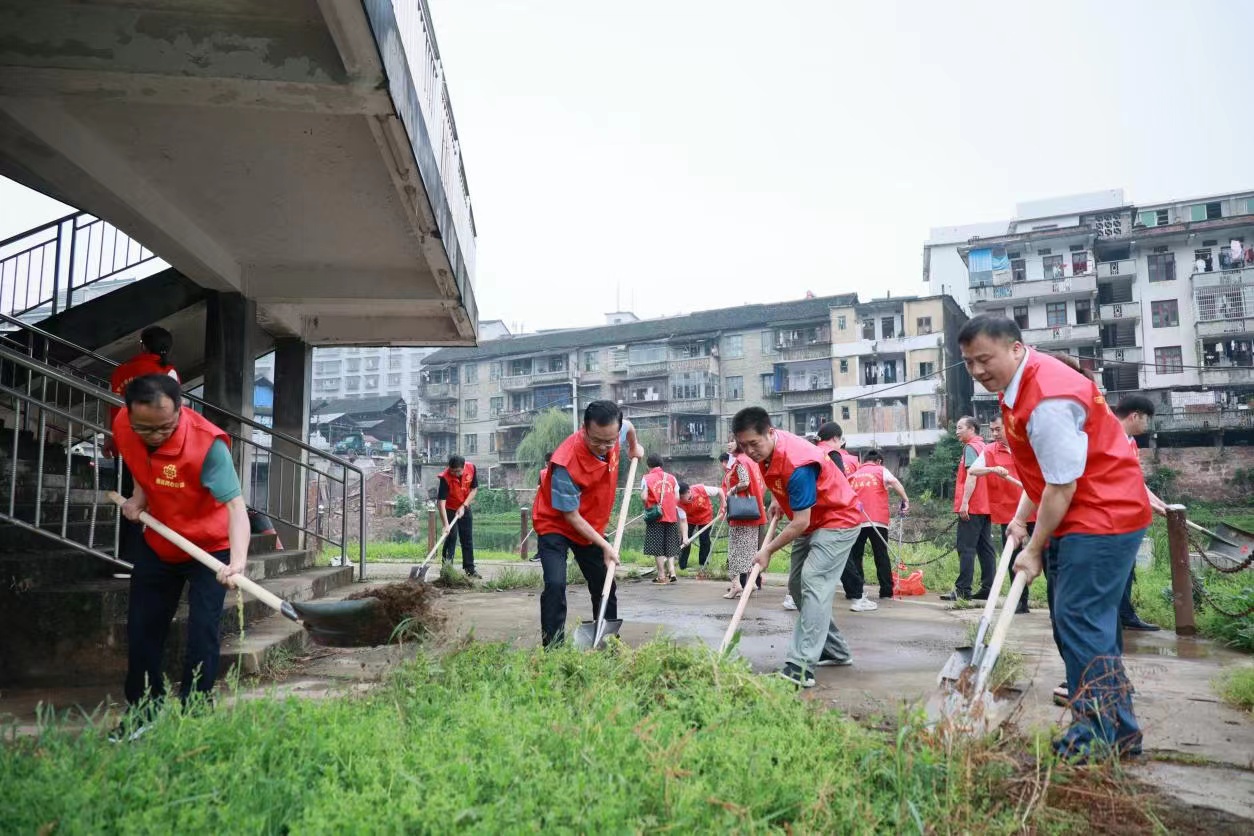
(1022,609)
(884,596)
(535,559)
(796,676)
(954,596)
(471,573)
(826,661)
(1138,624)
(674,579)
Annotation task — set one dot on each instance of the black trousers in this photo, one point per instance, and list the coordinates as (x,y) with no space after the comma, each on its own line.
(878,538)
(975,539)
(703,542)
(156,587)
(462,530)
(1023,602)
(552,549)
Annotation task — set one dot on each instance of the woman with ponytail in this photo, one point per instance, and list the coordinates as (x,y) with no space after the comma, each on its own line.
(155,344)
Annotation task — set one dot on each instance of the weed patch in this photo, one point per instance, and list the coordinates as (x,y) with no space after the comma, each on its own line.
(510,577)
(1236,686)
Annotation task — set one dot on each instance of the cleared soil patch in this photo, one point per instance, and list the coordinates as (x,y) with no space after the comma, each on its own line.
(407,609)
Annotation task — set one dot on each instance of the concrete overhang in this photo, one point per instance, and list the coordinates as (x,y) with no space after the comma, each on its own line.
(270,147)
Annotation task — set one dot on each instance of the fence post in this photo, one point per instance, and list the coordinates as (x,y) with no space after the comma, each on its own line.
(431,529)
(1181,578)
(524,530)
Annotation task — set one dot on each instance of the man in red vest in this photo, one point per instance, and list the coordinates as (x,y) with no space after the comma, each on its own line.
(1086,486)
(573,508)
(871,482)
(1004,490)
(696,503)
(185,477)
(459,483)
(535,558)
(831,440)
(824,521)
(1135,413)
(975,528)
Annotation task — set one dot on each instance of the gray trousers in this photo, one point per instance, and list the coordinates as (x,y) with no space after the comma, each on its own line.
(818,559)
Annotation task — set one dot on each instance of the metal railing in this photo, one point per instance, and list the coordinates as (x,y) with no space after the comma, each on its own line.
(50,268)
(58,408)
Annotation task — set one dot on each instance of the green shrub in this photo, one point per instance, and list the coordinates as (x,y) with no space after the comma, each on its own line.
(402,506)
(1237,688)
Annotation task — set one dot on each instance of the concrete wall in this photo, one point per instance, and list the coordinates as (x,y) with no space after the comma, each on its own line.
(1202,472)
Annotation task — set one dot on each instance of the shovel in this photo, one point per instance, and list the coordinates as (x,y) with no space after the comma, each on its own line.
(590,634)
(419,573)
(1218,538)
(333,623)
(698,532)
(750,584)
(967,657)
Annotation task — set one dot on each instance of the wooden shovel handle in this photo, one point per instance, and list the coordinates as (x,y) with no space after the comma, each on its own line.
(698,532)
(195,552)
(744,596)
(444,536)
(999,633)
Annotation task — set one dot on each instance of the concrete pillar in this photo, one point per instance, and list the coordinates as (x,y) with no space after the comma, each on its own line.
(289,479)
(230,352)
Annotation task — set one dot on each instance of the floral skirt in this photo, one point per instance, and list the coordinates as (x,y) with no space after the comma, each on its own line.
(742,545)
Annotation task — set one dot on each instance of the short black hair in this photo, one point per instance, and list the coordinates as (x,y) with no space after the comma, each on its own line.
(151,388)
(751,418)
(830,430)
(159,341)
(994,327)
(872,456)
(654,460)
(1130,404)
(456,460)
(548,457)
(684,487)
(603,414)
(724,457)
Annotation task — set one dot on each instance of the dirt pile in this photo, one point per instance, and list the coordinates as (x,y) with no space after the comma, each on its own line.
(406,612)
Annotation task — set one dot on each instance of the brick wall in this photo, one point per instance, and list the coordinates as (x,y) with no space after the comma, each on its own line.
(1202,472)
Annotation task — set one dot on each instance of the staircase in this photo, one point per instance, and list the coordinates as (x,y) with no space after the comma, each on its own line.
(62,604)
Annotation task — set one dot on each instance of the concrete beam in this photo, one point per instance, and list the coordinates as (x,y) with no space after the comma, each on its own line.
(380,330)
(230,354)
(354,99)
(284,284)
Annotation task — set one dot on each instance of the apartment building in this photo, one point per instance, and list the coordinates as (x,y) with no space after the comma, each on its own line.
(897,373)
(679,379)
(1154,297)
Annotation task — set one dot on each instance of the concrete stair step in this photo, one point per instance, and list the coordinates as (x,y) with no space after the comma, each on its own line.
(273,564)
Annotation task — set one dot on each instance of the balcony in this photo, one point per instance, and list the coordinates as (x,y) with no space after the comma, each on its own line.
(639,370)
(438,391)
(693,449)
(559,376)
(1224,278)
(517,418)
(1062,335)
(1214,419)
(1129,311)
(1225,327)
(507,455)
(1125,269)
(516,382)
(895,345)
(807,397)
(798,352)
(900,389)
(1123,354)
(1075,287)
(431,424)
(692,364)
(693,406)
(1220,375)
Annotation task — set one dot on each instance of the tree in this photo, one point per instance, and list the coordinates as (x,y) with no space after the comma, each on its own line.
(549,430)
(935,473)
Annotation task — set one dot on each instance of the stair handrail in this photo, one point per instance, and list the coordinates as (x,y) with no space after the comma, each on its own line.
(54,374)
(48,335)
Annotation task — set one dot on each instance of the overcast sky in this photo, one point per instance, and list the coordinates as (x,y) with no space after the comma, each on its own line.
(688,154)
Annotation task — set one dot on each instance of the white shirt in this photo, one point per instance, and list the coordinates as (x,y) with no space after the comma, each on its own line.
(709,491)
(1056,433)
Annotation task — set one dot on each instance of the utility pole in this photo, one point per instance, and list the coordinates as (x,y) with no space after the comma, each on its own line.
(411,426)
(574,401)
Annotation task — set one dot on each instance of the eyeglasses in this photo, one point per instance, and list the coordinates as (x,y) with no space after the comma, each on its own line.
(164,429)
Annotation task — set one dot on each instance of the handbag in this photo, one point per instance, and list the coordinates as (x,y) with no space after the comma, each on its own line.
(741,507)
(654,512)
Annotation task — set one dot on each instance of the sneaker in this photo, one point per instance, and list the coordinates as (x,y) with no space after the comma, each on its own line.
(1061,695)
(795,675)
(674,579)
(473,574)
(789,603)
(535,559)
(826,661)
(982,595)
(864,604)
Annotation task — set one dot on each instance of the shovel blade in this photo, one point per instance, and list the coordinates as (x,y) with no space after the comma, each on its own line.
(956,665)
(586,633)
(339,623)
(419,573)
(950,712)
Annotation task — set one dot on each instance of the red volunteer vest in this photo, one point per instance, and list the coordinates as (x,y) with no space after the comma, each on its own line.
(1003,497)
(170,478)
(757,488)
(848,461)
(836,505)
(458,489)
(597,481)
(979,499)
(868,483)
(1110,496)
(698,506)
(663,486)
(138,366)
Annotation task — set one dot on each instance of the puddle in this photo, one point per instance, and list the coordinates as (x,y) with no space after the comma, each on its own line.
(1179,648)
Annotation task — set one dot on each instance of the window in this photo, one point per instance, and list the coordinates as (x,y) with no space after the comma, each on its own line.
(470,373)
(1021,315)
(1166,313)
(1205,211)
(327,384)
(1214,211)
(844,366)
(890,371)
(395,361)
(372,364)
(840,323)
(648,353)
(1154,217)
(496,406)
(1168,360)
(734,346)
(768,342)
(844,413)
(494,370)
(353,383)
(927,369)
(735,388)
(1018,269)
(868,329)
(353,364)
(491,443)
(888,325)
(1079,263)
(1203,261)
(471,408)
(1083,311)
(928,420)
(923,325)
(557,363)
(394,379)
(1055,314)
(329,367)
(768,384)
(1052,265)
(470,444)
(1162,267)
(520,367)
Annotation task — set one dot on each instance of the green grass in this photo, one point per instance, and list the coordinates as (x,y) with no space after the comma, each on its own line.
(513,578)
(1236,686)
(492,739)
